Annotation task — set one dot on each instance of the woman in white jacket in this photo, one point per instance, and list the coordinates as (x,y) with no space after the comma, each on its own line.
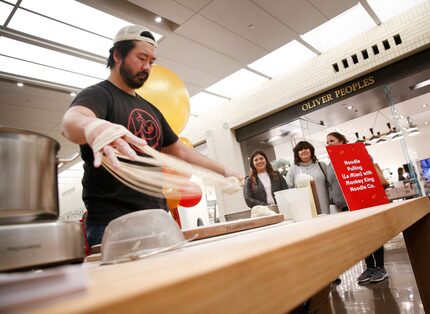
(306,162)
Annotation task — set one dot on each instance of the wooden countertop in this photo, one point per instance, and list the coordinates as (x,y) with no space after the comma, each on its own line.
(269,270)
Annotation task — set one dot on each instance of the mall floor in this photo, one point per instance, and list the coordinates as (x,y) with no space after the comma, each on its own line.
(396,294)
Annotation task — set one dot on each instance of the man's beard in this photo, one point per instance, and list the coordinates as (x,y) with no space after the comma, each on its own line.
(133,81)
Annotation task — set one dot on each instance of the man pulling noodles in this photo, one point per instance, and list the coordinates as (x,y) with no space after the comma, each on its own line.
(109,119)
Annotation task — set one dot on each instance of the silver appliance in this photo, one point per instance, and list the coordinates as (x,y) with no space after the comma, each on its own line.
(30,234)
(40,244)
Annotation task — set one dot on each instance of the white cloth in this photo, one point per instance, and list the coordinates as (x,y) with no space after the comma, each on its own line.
(265,179)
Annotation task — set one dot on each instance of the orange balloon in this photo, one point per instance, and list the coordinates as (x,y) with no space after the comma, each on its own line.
(173,197)
(166,91)
(172,202)
(186,141)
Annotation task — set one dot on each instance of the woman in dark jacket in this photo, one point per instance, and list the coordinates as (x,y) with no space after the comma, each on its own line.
(262,182)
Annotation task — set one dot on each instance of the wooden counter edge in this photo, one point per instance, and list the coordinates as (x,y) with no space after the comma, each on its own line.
(272,282)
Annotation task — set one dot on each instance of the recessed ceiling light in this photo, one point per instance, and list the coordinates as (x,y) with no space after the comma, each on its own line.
(158,19)
(425,105)
(73,94)
(426,123)
(349,107)
(20,84)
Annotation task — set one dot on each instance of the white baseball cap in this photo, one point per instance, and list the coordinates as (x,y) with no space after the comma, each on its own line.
(134,32)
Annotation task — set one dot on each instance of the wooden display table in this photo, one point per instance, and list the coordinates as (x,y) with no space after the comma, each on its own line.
(269,270)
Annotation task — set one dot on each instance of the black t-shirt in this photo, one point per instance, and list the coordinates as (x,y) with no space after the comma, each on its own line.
(104,196)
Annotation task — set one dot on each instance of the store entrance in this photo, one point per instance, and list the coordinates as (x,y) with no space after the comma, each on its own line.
(391,119)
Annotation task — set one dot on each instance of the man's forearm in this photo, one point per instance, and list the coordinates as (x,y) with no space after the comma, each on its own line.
(74,122)
(198,159)
(191,156)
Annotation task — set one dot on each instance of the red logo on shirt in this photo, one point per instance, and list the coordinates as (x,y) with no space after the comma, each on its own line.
(142,124)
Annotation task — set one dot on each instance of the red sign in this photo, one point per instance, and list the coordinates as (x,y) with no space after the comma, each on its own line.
(357,176)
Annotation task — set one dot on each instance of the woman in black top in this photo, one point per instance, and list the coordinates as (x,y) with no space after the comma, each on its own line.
(262,182)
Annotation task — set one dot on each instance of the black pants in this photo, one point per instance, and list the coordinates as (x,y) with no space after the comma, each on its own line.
(94,233)
(376,259)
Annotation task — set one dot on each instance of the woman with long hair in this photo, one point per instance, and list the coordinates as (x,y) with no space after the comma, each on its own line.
(305,162)
(262,182)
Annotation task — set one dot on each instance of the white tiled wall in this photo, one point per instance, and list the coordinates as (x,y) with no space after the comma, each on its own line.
(311,78)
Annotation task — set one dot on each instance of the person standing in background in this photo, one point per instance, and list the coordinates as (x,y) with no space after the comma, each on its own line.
(375,270)
(306,162)
(262,182)
(401,173)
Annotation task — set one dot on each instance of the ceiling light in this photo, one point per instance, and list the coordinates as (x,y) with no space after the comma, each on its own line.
(386,9)
(277,137)
(73,94)
(274,138)
(45,73)
(339,29)
(397,137)
(20,84)
(414,132)
(412,128)
(158,19)
(203,102)
(426,123)
(349,107)
(420,85)
(42,27)
(381,140)
(366,143)
(43,56)
(392,131)
(90,19)
(425,105)
(373,138)
(282,59)
(236,83)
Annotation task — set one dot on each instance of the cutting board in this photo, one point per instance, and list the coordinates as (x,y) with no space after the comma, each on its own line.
(204,232)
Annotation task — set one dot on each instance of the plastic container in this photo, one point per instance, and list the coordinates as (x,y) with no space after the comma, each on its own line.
(140,234)
(294,203)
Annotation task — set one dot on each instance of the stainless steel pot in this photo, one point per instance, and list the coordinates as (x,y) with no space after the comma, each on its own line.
(28,168)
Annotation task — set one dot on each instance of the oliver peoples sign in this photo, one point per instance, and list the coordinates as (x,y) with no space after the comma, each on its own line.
(337,93)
